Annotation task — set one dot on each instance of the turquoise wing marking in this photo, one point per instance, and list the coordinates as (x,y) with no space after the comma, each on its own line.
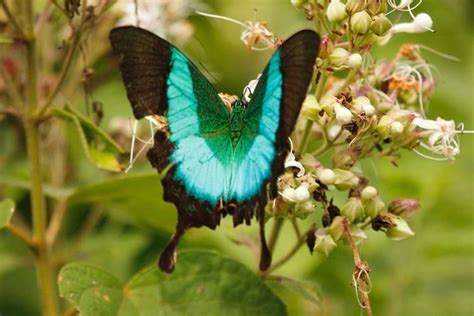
(255,155)
(198,122)
(207,164)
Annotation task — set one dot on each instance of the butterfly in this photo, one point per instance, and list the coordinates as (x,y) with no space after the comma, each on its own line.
(222,158)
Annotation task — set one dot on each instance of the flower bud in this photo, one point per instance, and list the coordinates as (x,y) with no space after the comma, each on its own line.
(309,162)
(373,206)
(334,131)
(336,229)
(368,193)
(353,209)
(338,57)
(383,126)
(354,61)
(396,128)
(377,6)
(384,106)
(326,176)
(301,193)
(408,96)
(404,208)
(298,4)
(353,6)
(336,11)
(288,195)
(324,242)
(326,47)
(343,114)
(311,108)
(360,22)
(302,210)
(345,179)
(381,25)
(403,116)
(279,207)
(309,181)
(358,235)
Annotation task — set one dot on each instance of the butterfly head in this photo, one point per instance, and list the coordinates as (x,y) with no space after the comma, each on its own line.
(232,103)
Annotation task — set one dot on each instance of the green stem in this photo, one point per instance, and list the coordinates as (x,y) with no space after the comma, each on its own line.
(291,253)
(277,225)
(44,270)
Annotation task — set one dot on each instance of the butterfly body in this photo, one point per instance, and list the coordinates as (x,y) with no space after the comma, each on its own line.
(222,159)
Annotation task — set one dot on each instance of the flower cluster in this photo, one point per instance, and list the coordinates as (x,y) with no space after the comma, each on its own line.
(361,108)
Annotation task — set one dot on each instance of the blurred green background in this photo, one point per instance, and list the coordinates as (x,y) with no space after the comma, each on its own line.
(431,273)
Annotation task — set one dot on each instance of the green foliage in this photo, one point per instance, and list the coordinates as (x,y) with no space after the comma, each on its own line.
(7,207)
(203,283)
(134,195)
(99,147)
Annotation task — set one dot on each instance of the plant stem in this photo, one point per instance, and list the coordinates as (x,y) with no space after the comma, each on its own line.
(360,275)
(291,253)
(21,234)
(12,19)
(277,225)
(44,270)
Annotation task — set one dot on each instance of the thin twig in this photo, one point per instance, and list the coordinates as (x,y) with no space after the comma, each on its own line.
(63,74)
(360,276)
(12,20)
(12,90)
(291,253)
(21,234)
(277,224)
(56,221)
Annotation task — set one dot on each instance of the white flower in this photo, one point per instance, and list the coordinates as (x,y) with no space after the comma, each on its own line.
(354,60)
(327,176)
(162,17)
(442,136)
(343,115)
(249,89)
(298,195)
(290,161)
(334,131)
(421,23)
(302,193)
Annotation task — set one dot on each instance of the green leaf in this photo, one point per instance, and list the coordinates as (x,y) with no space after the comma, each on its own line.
(7,207)
(99,147)
(137,196)
(305,289)
(202,284)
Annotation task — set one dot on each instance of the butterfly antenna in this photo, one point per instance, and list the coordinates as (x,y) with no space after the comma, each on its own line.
(217,81)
